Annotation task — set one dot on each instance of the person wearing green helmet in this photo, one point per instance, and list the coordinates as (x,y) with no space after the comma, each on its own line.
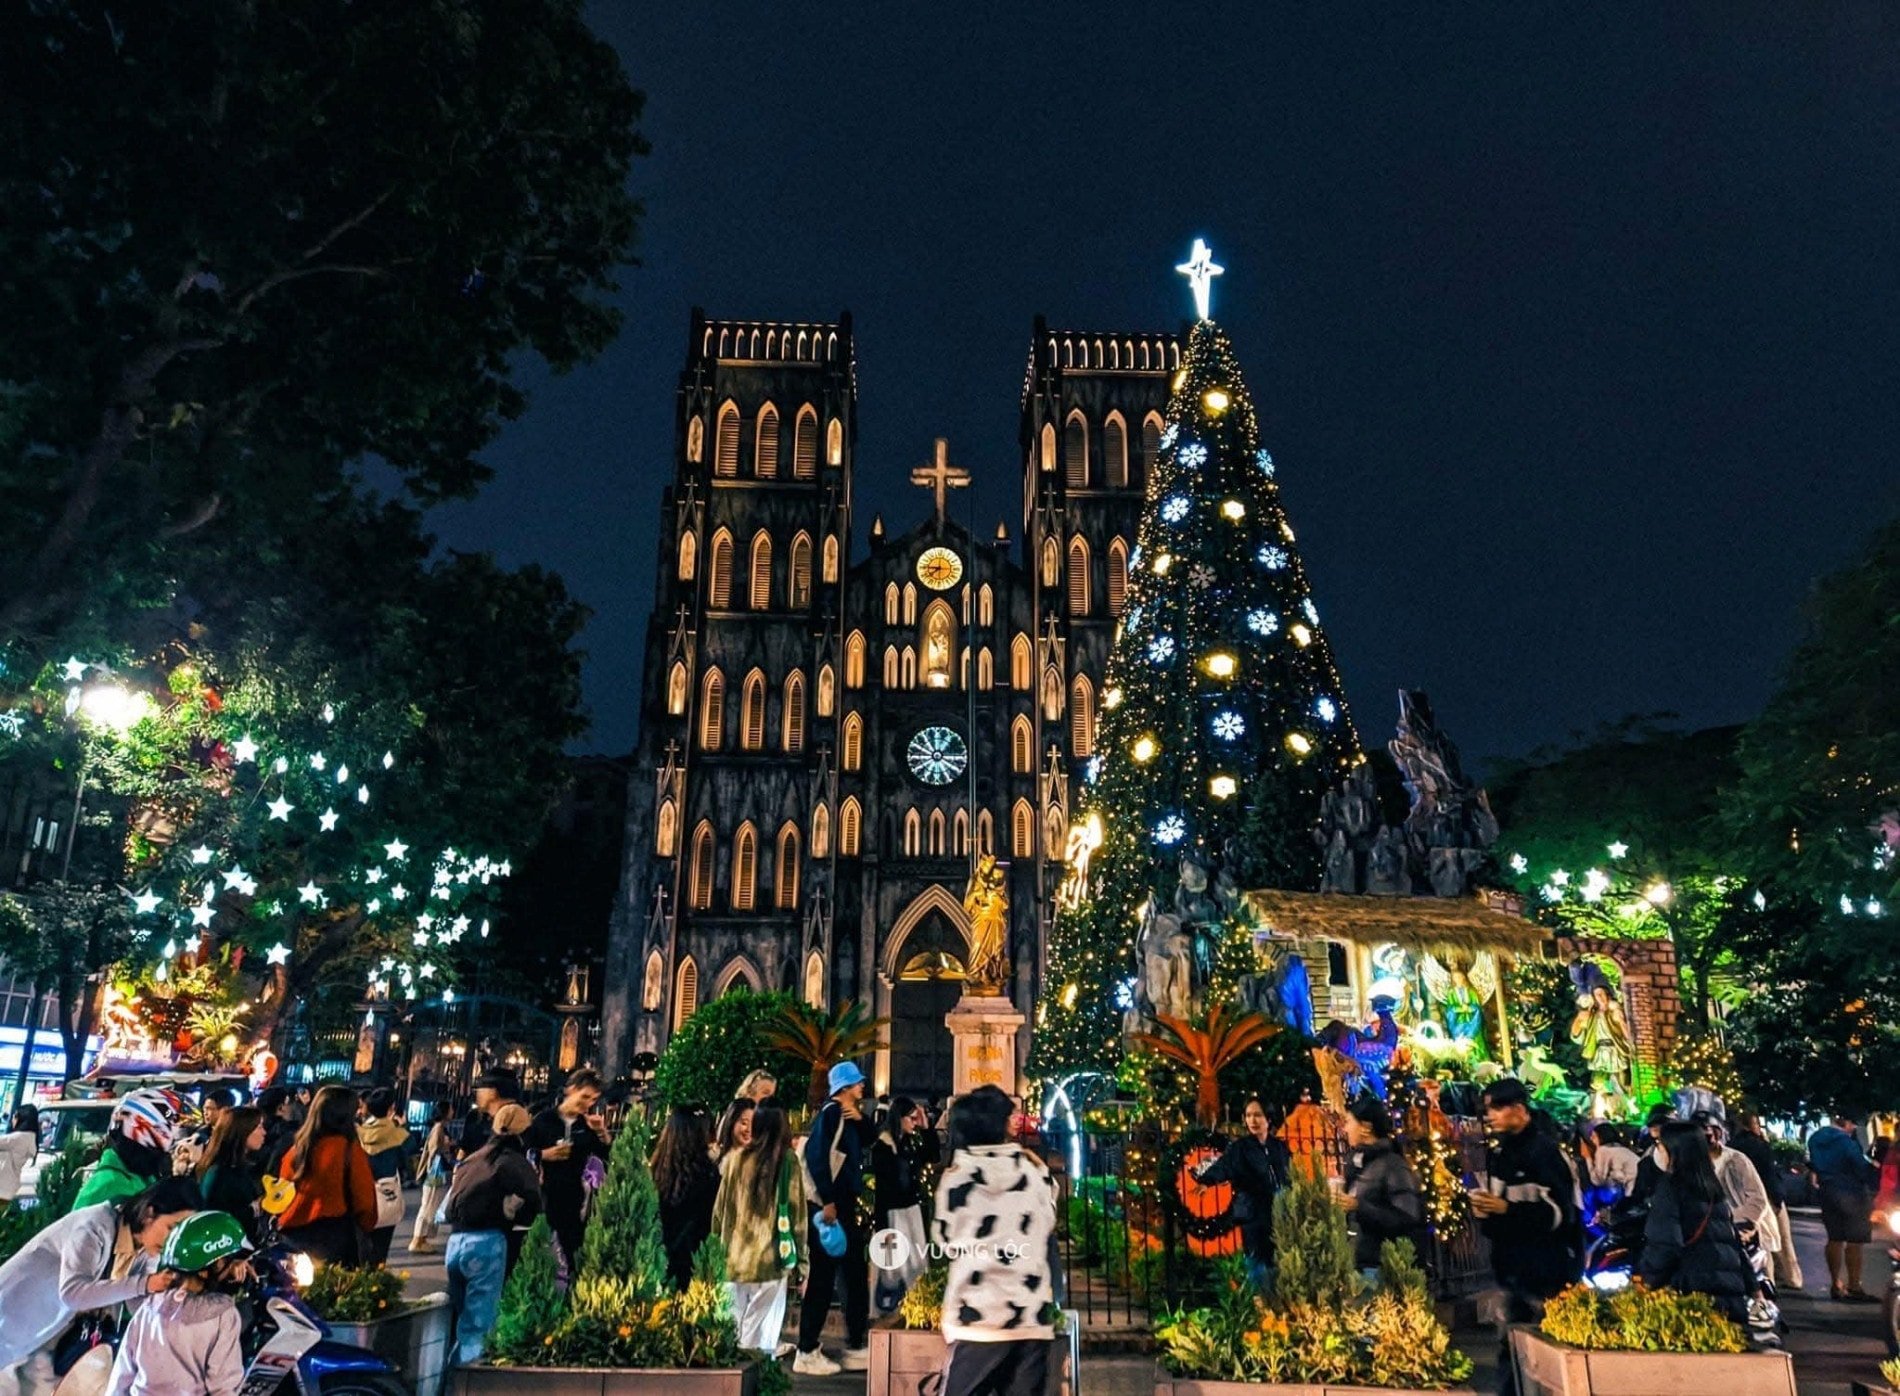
(189,1338)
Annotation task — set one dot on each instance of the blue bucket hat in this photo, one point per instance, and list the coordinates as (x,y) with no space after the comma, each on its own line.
(844,1074)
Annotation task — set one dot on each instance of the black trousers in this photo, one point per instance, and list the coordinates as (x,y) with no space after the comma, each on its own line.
(997,1369)
(855,1267)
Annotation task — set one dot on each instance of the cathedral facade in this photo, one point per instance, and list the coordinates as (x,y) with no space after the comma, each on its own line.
(830,740)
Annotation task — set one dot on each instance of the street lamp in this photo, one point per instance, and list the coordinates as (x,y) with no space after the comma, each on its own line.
(115,707)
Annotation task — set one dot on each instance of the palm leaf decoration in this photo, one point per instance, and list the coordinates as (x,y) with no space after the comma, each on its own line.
(825,1039)
(1209,1050)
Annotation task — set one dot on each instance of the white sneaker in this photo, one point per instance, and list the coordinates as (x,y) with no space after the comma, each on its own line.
(855,1360)
(815,1364)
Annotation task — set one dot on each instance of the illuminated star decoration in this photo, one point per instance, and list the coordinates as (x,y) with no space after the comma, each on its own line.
(318,761)
(1618,849)
(201,915)
(12,723)
(327,820)
(1200,270)
(396,850)
(75,670)
(200,855)
(244,749)
(280,809)
(278,954)
(145,903)
(310,893)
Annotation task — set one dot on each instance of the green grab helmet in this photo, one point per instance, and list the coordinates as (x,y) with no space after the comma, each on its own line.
(202,1240)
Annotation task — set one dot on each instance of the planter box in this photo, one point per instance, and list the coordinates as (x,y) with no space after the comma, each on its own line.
(909,1361)
(415,1342)
(1166,1385)
(1546,1368)
(483,1380)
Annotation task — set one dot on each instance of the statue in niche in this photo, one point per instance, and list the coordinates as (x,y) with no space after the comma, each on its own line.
(1458,995)
(937,648)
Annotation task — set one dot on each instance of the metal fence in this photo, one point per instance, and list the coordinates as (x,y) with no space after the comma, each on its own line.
(1135,1235)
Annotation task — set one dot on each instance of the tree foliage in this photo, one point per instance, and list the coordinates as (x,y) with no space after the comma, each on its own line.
(820,1040)
(247,245)
(709,1056)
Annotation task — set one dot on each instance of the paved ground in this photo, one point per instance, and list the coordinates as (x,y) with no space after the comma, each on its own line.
(1833,1344)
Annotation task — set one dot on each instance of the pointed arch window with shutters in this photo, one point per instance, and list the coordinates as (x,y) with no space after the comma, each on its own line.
(1115,450)
(719,576)
(702,880)
(685,993)
(798,579)
(1022,830)
(765,444)
(689,555)
(792,717)
(666,829)
(852,757)
(1075,450)
(850,823)
(726,443)
(785,869)
(1022,746)
(805,444)
(936,833)
(1020,664)
(1150,446)
(821,831)
(1078,576)
(752,712)
(745,867)
(1117,576)
(761,570)
(1082,716)
(854,660)
(676,688)
(712,709)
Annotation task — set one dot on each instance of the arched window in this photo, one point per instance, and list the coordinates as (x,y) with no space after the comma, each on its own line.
(890,666)
(798,580)
(765,444)
(1048,446)
(1055,831)
(850,820)
(815,980)
(853,755)
(1022,830)
(745,867)
(792,716)
(985,605)
(761,570)
(1022,746)
(726,446)
(821,831)
(1019,664)
(712,709)
(909,667)
(695,438)
(805,444)
(702,866)
(653,983)
(785,869)
(985,670)
(719,579)
(960,834)
(830,570)
(1078,576)
(834,442)
(913,834)
(1082,716)
(1075,450)
(752,712)
(940,645)
(1051,694)
(985,832)
(685,993)
(827,692)
(666,829)
(854,660)
(689,555)
(890,603)
(1115,450)
(910,603)
(676,688)
(1117,576)
(1150,446)
(1051,562)
(936,833)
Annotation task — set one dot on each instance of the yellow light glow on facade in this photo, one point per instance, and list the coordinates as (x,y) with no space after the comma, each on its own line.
(1144,749)
(1068,996)
(1301,635)
(1111,698)
(1233,509)
(1215,401)
(1298,743)
(1163,561)
(1221,664)
(1222,787)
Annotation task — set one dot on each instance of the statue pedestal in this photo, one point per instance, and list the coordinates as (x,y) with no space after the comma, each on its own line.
(983,1030)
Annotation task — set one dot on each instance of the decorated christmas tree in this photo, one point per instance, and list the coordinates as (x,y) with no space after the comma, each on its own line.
(1223,723)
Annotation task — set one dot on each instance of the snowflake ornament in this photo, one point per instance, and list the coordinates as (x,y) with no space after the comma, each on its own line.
(12,723)
(1170,830)
(1193,455)
(1312,611)
(1201,577)
(1262,621)
(1326,708)
(1229,725)
(1272,558)
(1133,621)
(1092,772)
(1175,509)
(1264,459)
(1161,649)
(1169,433)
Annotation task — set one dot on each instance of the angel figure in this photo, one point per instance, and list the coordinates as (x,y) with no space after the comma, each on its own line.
(987,905)
(1085,836)
(1460,995)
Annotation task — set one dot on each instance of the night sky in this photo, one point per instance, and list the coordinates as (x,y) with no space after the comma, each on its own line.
(1574,334)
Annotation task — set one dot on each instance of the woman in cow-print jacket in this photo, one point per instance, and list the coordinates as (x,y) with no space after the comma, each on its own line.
(996,1213)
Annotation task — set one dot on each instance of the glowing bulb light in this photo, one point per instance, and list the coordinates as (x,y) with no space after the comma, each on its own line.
(1233,509)
(1144,749)
(1163,561)
(1222,787)
(1299,743)
(1215,401)
(1221,664)
(1111,699)
(1658,893)
(1301,635)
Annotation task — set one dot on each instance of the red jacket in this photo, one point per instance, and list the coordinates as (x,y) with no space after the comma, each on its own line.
(336,1182)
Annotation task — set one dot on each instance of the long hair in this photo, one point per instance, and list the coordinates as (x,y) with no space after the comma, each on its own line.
(226,1149)
(333,1112)
(729,1124)
(764,1157)
(681,1158)
(1690,1164)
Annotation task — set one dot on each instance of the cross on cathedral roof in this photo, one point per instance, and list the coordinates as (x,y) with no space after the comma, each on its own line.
(940,476)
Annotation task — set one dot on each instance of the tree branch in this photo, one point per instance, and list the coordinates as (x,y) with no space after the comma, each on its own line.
(207,509)
(281,278)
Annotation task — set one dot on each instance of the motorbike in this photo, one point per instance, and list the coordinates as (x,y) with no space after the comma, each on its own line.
(288,1350)
(1611,1256)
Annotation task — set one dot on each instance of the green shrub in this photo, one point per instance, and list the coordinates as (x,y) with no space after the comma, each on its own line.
(1312,1248)
(623,1239)
(532,1301)
(58,1185)
(709,1056)
(355,1293)
(1640,1320)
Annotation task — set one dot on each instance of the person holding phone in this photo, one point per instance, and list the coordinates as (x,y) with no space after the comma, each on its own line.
(566,1136)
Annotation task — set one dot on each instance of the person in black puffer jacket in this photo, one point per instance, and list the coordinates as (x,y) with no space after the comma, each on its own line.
(1690,1242)
(1381,1189)
(1256,1166)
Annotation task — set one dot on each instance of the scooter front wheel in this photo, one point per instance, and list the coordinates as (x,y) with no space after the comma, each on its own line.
(361,1384)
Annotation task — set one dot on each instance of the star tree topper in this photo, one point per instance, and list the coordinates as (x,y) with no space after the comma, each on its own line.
(1200,270)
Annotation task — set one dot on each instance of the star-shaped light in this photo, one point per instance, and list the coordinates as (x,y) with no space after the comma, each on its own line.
(327,820)
(278,954)
(310,893)
(427,971)
(200,855)
(399,893)
(75,670)
(201,915)
(281,765)
(1560,878)
(146,902)
(459,924)
(426,920)
(372,876)
(1519,863)
(1200,270)
(1619,849)
(421,938)
(280,809)
(396,850)
(375,905)
(244,749)
(236,878)
(318,761)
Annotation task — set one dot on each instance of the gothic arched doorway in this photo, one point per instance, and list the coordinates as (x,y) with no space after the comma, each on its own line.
(926,986)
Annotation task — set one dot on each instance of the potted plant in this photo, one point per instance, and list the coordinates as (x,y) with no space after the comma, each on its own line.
(1888,1385)
(619,1327)
(365,1308)
(1640,1339)
(1318,1332)
(907,1350)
